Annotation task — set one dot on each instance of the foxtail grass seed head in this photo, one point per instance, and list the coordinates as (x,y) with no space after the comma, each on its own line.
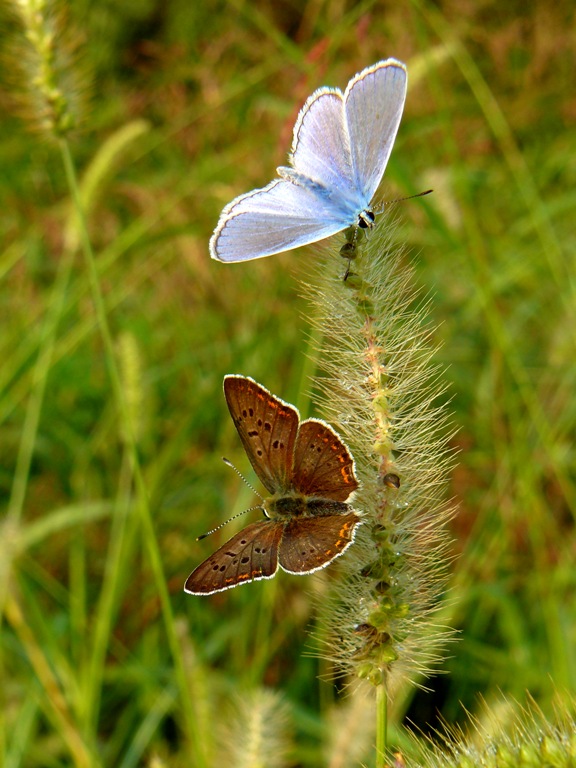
(48,82)
(380,389)
(131,378)
(525,738)
(255,731)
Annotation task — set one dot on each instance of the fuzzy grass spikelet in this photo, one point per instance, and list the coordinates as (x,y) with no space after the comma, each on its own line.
(380,389)
(131,373)
(49,86)
(529,739)
(255,732)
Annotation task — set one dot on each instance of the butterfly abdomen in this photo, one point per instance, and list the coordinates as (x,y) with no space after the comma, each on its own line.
(318,507)
(298,505)
(300,179)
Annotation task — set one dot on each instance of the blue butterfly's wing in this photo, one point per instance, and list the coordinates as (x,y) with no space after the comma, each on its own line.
(373,103)
(321,149)
(276,218)
(344,141)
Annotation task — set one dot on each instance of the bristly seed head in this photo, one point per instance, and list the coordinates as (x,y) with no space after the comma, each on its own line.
(378,390)
(48,85)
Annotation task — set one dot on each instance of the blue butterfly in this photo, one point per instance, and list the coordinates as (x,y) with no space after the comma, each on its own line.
(341,146)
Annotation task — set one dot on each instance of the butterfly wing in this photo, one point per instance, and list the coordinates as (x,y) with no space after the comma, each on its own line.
(249,556)
(276,218)
(267,427)
(323,465)
(374,101)
(311,543)
(321,149)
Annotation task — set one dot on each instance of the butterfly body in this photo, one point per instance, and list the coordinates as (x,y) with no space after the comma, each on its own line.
(297,505)
(340,149)
(309,473)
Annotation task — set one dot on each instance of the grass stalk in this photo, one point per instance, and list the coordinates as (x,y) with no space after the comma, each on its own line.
(381,726)
(194,743)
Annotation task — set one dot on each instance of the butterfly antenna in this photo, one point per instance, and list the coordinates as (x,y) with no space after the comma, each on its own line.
(401,199)
(204,535)
(240,475)
(250,509)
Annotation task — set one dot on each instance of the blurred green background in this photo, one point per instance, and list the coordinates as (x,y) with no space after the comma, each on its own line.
(190,105)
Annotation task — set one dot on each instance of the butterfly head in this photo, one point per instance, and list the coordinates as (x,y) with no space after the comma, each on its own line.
(366,219)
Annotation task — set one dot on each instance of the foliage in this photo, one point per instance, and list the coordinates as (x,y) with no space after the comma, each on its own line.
(103,657)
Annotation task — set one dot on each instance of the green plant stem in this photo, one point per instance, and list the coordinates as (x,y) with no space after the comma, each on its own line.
(30,427)
(118,549)
(40,377)
(381,725)
(194,740)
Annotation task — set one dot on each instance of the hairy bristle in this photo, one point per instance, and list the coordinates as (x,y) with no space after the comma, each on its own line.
(380,388)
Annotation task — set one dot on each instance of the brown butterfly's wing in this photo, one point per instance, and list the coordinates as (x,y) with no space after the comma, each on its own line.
(250,555)
(323,465)
(267,427)
(310,543)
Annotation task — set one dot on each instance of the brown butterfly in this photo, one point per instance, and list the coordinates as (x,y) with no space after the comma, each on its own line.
(309,473)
